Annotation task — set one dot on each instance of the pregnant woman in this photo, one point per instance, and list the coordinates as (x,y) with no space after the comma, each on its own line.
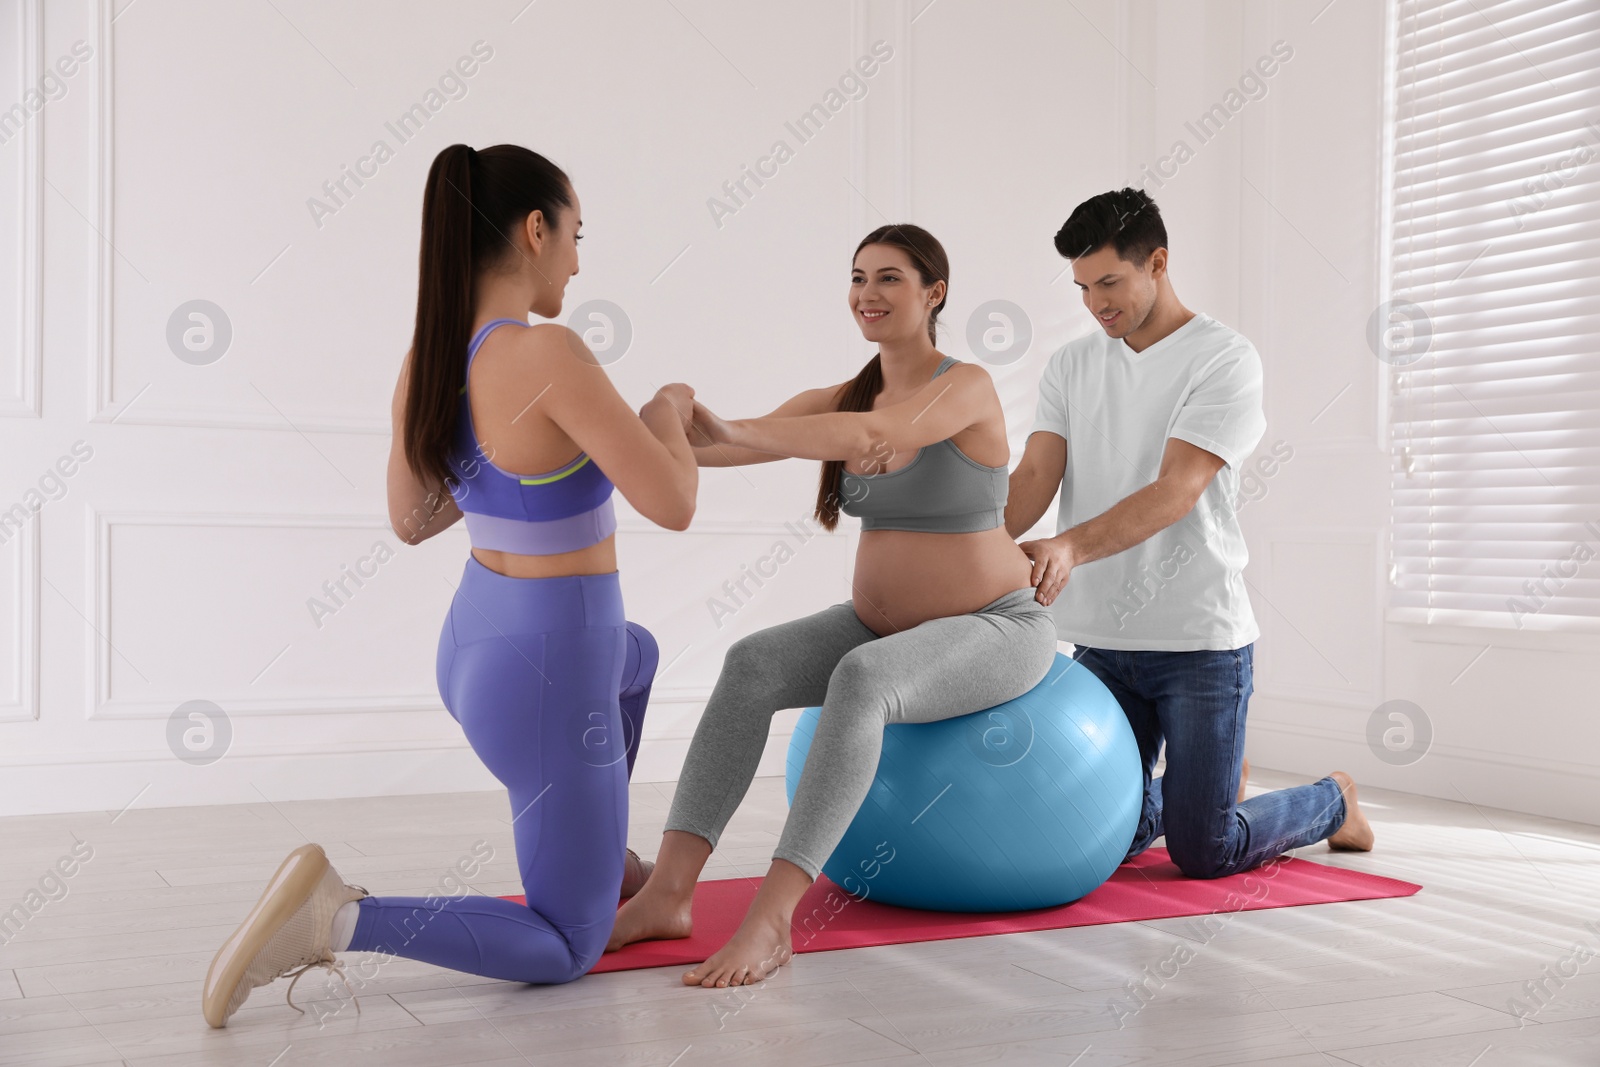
(536,660)
(942,620)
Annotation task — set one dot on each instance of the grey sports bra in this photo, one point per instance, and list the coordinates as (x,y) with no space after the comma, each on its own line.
(940,491)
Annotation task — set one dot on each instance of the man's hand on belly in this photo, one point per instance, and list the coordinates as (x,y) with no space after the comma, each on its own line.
(1053,559)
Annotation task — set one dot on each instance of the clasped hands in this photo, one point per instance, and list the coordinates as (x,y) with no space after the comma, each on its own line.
(1053,557)
(700,425)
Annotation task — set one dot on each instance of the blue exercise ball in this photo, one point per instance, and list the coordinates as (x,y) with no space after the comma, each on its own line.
(1028,804)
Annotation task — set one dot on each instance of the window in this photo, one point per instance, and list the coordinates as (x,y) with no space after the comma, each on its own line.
(1491,320)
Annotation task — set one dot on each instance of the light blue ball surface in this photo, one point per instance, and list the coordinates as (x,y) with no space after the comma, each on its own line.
(1028,804)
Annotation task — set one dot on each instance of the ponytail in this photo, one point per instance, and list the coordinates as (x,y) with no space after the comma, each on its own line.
(471,204)
(857,395)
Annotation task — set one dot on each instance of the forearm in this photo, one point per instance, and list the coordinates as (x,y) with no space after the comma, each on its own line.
(1132,520)
(416,511)
(731,456)
(438,512)
(834,435)
(1027,497)
(419,512)
(666,425)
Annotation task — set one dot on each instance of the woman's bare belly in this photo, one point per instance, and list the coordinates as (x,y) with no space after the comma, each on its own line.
(598,558)
(904,578)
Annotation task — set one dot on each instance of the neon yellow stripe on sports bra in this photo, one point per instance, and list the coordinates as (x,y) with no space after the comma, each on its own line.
(556,477)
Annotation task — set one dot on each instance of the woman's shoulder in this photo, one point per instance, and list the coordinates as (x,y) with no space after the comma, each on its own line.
(543,347)
(974,375)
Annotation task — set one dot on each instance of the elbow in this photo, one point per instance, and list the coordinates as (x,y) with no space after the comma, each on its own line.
(413,528)
(1014,524)
(1182,501)
(676,514)
(679,518)
(668,510)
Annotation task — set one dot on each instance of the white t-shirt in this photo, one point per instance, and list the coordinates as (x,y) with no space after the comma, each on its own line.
(1182,590)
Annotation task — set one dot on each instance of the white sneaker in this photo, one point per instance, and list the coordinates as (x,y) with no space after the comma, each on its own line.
(289,927)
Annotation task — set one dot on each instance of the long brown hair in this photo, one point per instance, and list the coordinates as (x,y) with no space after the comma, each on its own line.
(473,200)
(932,265)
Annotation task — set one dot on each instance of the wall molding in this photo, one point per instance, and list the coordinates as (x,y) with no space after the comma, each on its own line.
(1312,694)
(101,261)
(163,781)
(24,398)
(229,419)
(103,406)
(101,786)
(100,652)
(105,707)
(156,755)
(22,705)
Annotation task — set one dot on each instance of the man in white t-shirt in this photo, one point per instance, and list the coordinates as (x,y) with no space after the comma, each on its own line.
(1143,426)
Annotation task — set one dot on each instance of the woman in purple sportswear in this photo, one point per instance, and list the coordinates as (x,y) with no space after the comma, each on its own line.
(536,660)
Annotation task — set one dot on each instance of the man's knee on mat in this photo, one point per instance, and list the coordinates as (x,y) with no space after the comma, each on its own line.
(1200,860)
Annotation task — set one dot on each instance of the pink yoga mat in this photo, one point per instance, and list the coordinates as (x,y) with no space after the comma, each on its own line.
(1147,887)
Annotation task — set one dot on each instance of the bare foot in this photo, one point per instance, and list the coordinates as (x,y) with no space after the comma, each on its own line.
(635,872)
(1356,834)
(652,914)
(1244,776)
(756,950)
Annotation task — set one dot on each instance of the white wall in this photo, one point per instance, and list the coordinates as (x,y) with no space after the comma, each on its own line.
(178,164)
(219,498)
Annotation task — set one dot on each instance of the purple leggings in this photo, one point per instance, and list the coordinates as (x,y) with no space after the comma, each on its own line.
(549,682)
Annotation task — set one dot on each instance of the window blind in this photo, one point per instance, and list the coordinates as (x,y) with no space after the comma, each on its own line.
(1491,323)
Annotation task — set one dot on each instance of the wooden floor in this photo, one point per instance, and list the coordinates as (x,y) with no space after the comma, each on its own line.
(110,973)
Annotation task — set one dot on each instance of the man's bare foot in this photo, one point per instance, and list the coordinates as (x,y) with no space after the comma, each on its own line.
(652,914)
(1244,776)
(756,950)
(1356,834)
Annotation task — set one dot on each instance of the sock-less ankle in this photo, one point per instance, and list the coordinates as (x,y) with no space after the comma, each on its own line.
(344,925)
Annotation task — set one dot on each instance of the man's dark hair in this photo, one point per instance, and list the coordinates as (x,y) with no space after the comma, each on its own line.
(1127,219)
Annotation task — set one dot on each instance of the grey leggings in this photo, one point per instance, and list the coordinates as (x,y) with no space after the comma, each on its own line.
(939,669)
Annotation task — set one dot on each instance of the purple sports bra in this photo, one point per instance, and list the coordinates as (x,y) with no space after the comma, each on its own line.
(532,514)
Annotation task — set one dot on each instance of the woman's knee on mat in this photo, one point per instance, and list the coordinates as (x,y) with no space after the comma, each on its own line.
(550,959)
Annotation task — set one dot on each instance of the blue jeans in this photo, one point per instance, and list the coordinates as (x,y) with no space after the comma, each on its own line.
(1195,702)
